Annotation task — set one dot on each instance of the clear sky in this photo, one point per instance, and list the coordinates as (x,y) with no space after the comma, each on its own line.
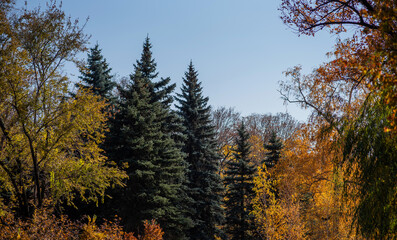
(239,47)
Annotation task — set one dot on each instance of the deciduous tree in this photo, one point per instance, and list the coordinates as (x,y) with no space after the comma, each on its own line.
(48,142)
(225,121)
(365,64)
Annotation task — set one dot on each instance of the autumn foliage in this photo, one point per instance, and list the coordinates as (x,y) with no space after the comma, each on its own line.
(45,225)
(355,95)
(332,177)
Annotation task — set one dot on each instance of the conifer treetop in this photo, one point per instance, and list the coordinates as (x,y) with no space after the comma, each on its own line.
(97,75)
(147,64)
(274,147)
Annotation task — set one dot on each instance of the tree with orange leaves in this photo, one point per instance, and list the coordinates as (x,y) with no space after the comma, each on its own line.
(356,94)
(373,52)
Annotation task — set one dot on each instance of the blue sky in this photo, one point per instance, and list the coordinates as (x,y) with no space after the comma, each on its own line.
(240,48)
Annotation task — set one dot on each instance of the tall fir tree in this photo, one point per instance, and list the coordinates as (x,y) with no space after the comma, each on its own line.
(274,147)
(142,139)
(239,190)
(147,66)
(160,90)
(204,182)
(96,75)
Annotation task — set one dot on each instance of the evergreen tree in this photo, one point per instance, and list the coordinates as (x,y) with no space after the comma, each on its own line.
(141,139)
(96,74)
(239,184)
(205,186)
(160,90)
(274,148)
(147,65)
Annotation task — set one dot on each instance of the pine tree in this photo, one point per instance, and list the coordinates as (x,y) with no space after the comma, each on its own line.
(239,184)
(142,139)
(205,186)
(96,74)
(274,148)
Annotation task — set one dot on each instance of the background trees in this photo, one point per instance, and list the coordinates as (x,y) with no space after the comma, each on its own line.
(260,127)
(225,121)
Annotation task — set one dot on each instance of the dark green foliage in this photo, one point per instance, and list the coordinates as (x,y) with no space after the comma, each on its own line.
(274,147)
(147,64)
(201,155)
(142,138)
(372,154)
(160,91)
(239,190)
(97,75)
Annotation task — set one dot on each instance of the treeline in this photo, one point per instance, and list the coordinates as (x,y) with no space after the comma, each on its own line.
(159,162)
(107,148)
(192,168)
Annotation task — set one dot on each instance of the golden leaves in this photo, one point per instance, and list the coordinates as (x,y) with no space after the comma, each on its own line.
(45,225)
(301,196)
(49,140)
(276,217)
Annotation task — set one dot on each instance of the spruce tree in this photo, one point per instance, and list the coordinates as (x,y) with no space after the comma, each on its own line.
(160,90)
(96,75)
(156,167)
(147,66)
(239,190)
(205,186)
(274,147)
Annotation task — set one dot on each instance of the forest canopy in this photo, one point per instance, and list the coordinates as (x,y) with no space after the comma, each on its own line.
(104,157)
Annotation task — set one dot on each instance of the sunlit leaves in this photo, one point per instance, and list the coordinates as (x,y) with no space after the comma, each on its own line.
(49,142)
(275,218)
(45,225)
(365,116)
